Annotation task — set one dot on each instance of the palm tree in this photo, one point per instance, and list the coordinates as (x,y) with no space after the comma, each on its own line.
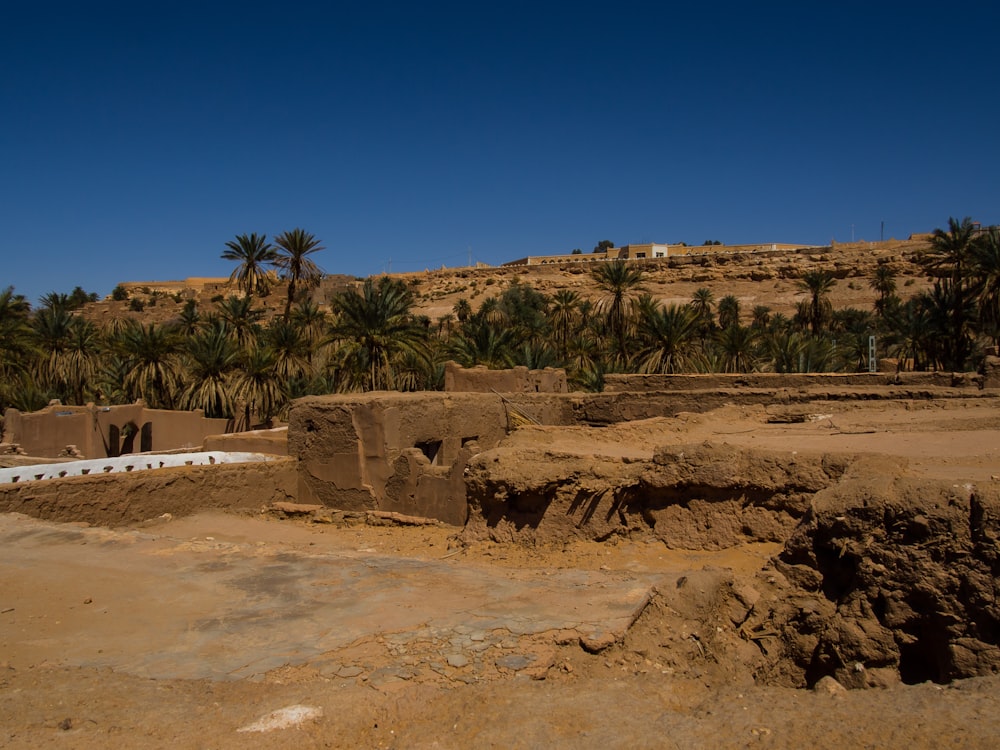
(462,310)
(701,302)
(818,284)
(257,386)
(312,323)
(668,335)
(242,320)
(480,343)
(620,283)
(151,365)
(82,358)
(189,319)
(949,251)
(17,350)
(951,310)
(210,356)
(291,351)
(736,346)
(253,253)
(293,251)
(910,333)
(986,282)
(883,282)
(562,314)
(374,327)
(729,311)
(761,317)
(52,329)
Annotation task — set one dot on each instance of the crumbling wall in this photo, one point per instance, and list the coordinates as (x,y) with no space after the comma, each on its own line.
(991,372)
(458,379)
(273,441)
(403,452)
(120,499)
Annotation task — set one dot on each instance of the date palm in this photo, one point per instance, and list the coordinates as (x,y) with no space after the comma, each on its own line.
(291,350)
(209,358)
(480,343)
(669,340)
(253,253)
(729,311)
(293,250)
(949,251)
(52,329)
(818,308)
(82,359)
(374,327)
(312,323)
(736,346)
(620,283)
(150,364)
(702,302)
(257,386)
(462,310)
(16,345)
(985,269)
(883,283)
(563,314)
(242,320)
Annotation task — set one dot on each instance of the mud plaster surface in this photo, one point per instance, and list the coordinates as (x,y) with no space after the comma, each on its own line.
(177,634)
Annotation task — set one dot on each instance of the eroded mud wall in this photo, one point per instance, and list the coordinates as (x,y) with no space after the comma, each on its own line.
(403,452)
(118,499)
(459,379)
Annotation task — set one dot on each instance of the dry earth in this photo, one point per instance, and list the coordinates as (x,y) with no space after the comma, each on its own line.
(190,632)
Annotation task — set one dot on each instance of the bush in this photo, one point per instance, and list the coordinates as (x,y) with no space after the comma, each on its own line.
(119,294)
(136,305)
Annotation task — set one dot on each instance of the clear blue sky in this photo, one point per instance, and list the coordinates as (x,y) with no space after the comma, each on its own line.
(137,138)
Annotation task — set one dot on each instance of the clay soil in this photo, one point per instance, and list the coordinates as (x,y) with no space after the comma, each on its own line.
(94,652)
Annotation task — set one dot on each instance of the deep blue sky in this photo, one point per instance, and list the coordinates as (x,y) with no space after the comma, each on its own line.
(136,138)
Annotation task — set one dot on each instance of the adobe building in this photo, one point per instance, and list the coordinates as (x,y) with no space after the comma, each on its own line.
(107,431)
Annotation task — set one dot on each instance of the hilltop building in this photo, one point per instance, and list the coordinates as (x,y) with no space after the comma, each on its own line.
(652,251)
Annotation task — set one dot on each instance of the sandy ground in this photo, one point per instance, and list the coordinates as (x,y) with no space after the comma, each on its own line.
(191,632)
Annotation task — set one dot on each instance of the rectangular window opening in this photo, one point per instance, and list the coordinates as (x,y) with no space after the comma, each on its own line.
(430,448)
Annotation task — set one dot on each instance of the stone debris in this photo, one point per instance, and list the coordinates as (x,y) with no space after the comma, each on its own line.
(284,718)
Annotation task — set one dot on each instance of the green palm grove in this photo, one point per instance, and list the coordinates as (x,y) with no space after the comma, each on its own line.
(233,361)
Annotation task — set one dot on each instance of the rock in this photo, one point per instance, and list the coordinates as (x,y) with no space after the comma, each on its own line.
(829,686)
(295,509)
(514,662)
(457,660)
(598,641)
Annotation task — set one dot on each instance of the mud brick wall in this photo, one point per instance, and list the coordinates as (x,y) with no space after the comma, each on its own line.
(119,499)
(403,452)
(459,379)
